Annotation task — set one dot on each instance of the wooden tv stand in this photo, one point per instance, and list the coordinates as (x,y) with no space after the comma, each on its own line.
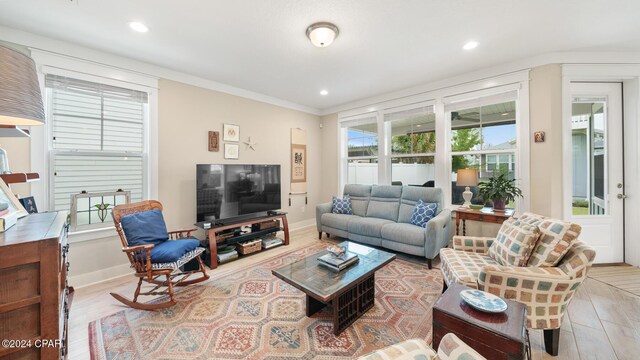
(214,241)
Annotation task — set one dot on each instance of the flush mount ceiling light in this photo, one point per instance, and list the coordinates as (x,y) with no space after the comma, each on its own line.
(324,92)
(322,34)
(138,26)
(470,45)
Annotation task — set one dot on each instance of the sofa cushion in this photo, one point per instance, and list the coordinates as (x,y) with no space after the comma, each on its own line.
(384,202)
(341,206)
(410,197)
(172,251)
(337,221)
(359,195)
(147,227)
(423,212)
(556,237)
(367,226)
(463,267)
(514,243)
(404,233)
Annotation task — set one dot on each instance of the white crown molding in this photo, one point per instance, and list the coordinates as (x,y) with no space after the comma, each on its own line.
(67,49)
(631,58)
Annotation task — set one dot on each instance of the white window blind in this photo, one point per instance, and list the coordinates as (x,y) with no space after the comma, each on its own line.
(97,138)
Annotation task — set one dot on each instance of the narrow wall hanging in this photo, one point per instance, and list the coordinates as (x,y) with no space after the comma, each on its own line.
(298,163)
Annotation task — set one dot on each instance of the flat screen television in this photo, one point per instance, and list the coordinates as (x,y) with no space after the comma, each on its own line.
(234,192)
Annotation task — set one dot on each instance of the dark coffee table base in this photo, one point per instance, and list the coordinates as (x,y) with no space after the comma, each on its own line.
(349,305)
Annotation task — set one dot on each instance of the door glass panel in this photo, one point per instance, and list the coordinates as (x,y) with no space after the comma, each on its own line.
(589,156)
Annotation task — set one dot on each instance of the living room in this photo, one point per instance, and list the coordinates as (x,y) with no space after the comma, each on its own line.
(395,99)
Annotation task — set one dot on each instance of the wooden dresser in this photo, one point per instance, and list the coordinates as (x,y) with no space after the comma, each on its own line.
(34,294)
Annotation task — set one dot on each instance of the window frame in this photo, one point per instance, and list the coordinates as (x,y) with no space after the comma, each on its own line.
(517,82)
(52,152)
(389,134)
(41,141)
(343,136)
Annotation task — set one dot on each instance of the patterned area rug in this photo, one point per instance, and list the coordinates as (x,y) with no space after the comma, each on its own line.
(253,315)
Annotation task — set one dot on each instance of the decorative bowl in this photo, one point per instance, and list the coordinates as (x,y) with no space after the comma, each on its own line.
(475,207)
(483,301)
(336,250)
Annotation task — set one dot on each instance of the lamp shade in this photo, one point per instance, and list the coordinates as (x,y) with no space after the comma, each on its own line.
(467,177)
(20,97)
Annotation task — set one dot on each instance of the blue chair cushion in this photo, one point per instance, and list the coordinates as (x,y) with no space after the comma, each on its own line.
(423,212)
(171,251)
(341,206)
(147,227)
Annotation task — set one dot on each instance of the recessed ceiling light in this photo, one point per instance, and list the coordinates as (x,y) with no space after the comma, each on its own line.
(324,92)
(138,26)
(418,125)
(470,45)
(505,114)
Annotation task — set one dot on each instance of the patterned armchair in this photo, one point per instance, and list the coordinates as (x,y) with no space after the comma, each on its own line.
(451,348)
(555,264)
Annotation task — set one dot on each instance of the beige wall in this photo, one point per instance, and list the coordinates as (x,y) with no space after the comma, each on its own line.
(187,113)
(329,141)
(545,114)
(19,154)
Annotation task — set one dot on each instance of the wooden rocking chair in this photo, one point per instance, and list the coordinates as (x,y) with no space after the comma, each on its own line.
(161,274)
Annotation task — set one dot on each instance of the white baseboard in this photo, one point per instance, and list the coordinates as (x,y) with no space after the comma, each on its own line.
(98,276)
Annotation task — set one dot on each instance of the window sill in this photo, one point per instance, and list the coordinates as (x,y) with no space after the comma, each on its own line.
(93,234)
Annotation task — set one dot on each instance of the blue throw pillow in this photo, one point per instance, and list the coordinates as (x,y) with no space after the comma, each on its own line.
(171,251)
(341,206)
(423,212)
(144,228)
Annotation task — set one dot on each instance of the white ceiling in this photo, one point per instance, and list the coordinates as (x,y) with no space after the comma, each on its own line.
(383,46)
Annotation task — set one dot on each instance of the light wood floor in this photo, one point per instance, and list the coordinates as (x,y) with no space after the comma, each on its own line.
(603,322)
(625,277)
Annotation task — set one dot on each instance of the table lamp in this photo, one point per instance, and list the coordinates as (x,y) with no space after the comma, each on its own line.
(467,177)
(20,97)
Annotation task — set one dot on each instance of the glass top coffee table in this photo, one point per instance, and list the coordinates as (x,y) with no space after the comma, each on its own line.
(350,292)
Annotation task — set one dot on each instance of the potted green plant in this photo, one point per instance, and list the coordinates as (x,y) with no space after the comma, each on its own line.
(499,189)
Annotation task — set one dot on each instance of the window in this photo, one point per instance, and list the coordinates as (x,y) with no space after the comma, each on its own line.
(483,137)
(361,151)
(423,139)
(98,140)
(413,145)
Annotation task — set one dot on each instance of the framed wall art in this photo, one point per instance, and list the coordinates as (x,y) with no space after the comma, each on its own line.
(539,136)
(298,163)
(214,141)
(230,132)
(231,151)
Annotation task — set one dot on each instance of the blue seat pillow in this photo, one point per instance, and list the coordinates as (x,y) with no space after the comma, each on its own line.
(171,251)
(341,206)
(143,228)
(423,212)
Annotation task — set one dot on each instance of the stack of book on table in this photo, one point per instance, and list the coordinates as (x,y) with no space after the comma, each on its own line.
(338,263)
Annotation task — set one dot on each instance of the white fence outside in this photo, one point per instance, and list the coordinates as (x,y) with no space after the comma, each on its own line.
(415,174)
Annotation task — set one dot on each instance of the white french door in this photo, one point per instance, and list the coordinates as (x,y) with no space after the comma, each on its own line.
(594,192)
